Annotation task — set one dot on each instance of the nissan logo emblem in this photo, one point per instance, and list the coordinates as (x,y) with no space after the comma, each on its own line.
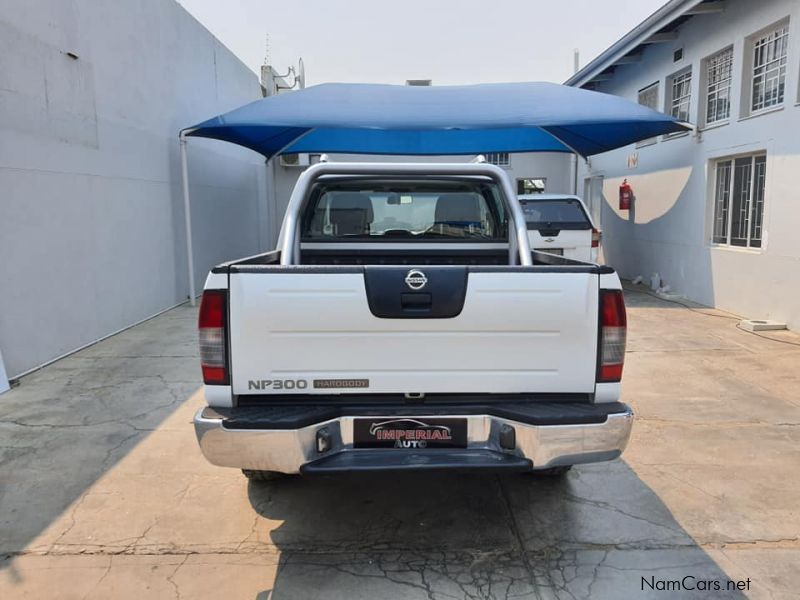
(415,279)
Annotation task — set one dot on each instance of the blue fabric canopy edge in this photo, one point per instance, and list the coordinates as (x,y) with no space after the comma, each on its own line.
(415,120)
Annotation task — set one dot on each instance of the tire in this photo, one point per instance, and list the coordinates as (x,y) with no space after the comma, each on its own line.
(552,471)
(262,475)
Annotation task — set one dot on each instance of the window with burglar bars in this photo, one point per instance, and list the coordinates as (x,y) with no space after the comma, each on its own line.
(680,95)
(718,86)
(769,68)
(500,159)
(648,97)
(739,201)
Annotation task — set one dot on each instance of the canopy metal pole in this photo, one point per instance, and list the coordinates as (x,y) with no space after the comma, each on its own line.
(575,161)
(187,212)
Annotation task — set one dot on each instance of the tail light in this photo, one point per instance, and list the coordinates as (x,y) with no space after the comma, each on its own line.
(613,325)
(596,236)
(213,343)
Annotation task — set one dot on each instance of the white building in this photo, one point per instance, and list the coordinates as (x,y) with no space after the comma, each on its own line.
(717,211)
(92,97)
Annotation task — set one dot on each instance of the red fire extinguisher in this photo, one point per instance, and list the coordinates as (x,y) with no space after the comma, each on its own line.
(625,195)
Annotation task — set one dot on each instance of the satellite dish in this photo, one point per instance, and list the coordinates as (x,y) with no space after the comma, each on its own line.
(300,78)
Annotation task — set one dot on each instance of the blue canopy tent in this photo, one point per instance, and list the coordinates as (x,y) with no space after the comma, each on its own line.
(465,119)
(415,120)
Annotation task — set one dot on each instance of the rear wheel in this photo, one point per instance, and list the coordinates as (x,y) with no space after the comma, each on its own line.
(253,475)
(552,471)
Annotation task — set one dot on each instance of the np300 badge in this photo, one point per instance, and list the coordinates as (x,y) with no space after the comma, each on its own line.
(416,279)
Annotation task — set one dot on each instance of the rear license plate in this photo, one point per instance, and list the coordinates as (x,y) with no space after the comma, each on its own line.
(559,251)
(409,433)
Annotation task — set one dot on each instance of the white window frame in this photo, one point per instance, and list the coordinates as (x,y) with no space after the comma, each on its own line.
(766,62)
(750,181)
(653,91)
(717,70)
(679,94)
(500,159)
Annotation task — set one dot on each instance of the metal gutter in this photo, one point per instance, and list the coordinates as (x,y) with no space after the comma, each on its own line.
(636,36)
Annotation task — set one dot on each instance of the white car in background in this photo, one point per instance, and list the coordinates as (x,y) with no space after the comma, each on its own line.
(560,224)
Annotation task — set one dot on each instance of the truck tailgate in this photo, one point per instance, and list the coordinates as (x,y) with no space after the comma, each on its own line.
(313,331)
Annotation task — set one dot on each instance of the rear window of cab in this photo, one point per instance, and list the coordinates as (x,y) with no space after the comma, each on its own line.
(430,210)
(555,214)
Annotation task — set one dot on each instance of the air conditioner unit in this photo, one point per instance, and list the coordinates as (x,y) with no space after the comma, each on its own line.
(295,160)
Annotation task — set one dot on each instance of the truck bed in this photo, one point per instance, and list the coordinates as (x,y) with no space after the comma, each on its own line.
(408,256)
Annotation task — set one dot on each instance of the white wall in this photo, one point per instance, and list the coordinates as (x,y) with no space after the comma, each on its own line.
(555,166)
(669,230)
(91,216)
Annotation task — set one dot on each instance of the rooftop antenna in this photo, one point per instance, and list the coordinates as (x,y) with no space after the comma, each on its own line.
(576,60)
(298,77)
(298,74)
(301,74)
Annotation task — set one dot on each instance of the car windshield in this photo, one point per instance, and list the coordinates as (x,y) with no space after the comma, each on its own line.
(430,210)
(566,213)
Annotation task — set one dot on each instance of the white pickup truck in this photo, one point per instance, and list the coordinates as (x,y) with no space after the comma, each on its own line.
(404,323)
(560,224)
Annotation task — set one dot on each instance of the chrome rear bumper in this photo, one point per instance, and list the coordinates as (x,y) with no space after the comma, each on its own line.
(295,450)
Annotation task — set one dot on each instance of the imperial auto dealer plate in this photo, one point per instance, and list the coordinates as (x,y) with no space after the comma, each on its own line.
(409,433)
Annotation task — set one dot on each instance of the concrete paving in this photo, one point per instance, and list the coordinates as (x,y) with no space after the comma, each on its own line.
(104,493)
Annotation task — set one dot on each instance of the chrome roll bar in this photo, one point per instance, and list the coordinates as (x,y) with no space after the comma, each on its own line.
(289,241)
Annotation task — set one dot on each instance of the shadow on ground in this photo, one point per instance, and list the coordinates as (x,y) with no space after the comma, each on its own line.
(67,425)
(600,532)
